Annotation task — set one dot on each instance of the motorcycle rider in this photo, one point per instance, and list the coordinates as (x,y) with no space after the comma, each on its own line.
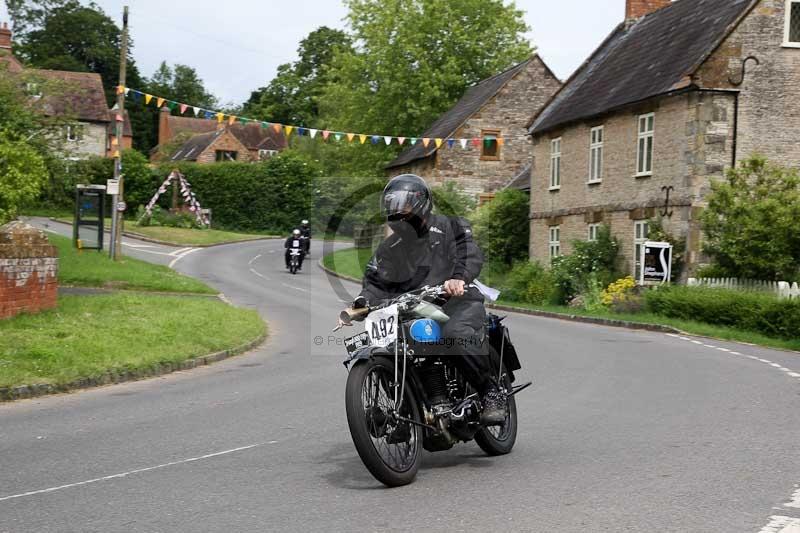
(305,231)
(290,243)
(428,249)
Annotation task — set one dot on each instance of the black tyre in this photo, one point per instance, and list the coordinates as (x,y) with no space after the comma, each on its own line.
(390,450)
(293,267)
(499,440)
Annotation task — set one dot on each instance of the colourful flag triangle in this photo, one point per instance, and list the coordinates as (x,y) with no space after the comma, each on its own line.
(120,118)
(463,143)
(209,115)
(476,142)
(196,111)
(288,130)
(413,141)
(425,141)
(401,140)
(265,125)
(375,139)
(172,105)
(220,117)
(450,142)
(363,138)
(120,89)
(277,128)
(147,98)
(500,141)
(116,154)
(160,102)
(244,120)
(301,131)
(387,140)
(325,134)
(127,91)
(438,143)
(114,141)
(137,96)
(231,120)
(183,108)
(350,137)
(312,133)
(338,136)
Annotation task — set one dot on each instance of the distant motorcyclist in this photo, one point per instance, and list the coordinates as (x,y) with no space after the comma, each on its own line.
(294,241)
(305,231)
(427,249)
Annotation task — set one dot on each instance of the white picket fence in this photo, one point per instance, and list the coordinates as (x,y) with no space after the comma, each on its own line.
(782,289)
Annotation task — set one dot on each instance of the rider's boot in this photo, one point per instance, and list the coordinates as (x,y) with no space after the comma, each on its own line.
(495,406)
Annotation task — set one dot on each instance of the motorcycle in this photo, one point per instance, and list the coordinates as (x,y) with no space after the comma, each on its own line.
(294,256)
(402,395)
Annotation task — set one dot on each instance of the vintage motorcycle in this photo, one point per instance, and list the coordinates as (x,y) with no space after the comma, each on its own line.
(402,395)
(294,256)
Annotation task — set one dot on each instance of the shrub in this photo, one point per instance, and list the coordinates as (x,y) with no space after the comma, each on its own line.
(758,312)
(451,201)
(22,174)
(529,283)
(598,258)
(502,227)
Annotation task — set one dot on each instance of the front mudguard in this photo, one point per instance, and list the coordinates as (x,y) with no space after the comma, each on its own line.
(367,352)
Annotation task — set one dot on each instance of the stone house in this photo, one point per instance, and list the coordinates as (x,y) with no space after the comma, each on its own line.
(210,141)
(496,108)
(89,127)
(675,95)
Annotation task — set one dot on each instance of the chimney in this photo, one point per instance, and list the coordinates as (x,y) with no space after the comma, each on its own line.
(5,37)
(164,135)
(636,9)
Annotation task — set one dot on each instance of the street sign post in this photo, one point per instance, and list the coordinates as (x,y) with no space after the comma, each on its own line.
(656,261)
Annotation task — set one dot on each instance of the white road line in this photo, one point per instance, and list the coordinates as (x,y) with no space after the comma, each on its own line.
(782,524)
(258,274)
(184,254)
(179,252)
(794,374)
(130,472)
(735,353)
(765,361)
(293,287)
(709,346)
(795,501)
(696,342)
(253,260)
(723,349)
(138,245)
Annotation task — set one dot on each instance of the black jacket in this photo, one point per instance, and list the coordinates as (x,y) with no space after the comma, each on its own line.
(290,241)
(446,251)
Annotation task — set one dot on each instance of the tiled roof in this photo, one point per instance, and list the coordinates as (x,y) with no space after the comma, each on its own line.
(79,94)
(179,125)
(475,98)
(522,180)
(652,56)
(195,146)
(253,136)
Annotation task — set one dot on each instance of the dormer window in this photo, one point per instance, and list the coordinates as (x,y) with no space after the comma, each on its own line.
(792,35)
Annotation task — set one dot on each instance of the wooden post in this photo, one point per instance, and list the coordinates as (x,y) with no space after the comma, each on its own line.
(117,218)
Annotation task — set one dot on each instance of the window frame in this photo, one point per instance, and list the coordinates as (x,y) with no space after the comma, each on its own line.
(555,170)
(787,32)
(494,134)
(596,228)
(596,147)
(644,136)
(554,245)
(639,239)
(220,156)
(264,154)
(72,133)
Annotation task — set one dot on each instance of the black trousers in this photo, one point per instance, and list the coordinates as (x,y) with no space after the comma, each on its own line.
(465,340)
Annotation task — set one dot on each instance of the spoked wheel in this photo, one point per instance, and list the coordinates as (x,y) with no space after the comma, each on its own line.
(390,448)
(499,440)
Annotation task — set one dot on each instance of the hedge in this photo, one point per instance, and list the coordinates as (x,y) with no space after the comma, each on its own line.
(757,312)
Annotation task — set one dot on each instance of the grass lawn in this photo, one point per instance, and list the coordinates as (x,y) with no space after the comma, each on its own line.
(191,237)
(89,335)
(94,269)
(348,262)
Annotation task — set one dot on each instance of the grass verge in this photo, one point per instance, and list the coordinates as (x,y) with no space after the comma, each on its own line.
(350,263)
(87,336)
(94,269)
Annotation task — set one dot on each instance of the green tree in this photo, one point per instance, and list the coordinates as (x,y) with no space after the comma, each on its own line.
(502,227)
(292,96)
(751,222)
(415,58)
(22,175)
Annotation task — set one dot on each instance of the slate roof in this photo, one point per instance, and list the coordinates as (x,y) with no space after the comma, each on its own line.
(651,56)
(195,146)
(178,125)
(80,94)
(522,180)
(474,98)
(252,136)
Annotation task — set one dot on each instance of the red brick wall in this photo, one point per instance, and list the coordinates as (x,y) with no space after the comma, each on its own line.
(28,271)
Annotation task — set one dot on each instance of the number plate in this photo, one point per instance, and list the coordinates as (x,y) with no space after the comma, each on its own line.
(381,325)
(356,342)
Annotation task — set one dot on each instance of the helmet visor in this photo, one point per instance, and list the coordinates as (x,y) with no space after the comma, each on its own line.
(397,204)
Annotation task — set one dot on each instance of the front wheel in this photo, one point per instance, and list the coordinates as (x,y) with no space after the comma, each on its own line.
(389,448)
(499,440)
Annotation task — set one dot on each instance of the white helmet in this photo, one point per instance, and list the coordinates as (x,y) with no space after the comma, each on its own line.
(296,233)
(304,222)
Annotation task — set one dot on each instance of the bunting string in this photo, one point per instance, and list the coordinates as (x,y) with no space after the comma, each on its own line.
(288,129)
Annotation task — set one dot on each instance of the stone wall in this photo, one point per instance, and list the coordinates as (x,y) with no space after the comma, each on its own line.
(92,141)
(507,112)
(28,271)
(226,141)
(769,104)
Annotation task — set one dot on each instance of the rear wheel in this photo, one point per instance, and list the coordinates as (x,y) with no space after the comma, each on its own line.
(499,440)
(390,449)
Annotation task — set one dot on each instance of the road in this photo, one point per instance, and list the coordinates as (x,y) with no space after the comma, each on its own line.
(622,431)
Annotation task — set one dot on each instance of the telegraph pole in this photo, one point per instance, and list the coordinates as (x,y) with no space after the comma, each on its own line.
(119,199)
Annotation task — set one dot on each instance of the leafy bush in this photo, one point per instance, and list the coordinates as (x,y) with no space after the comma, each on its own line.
(751,222)
(163,217)
(502,228)
(527,282)
(590,258)
(758,312)
(22,174)
(340,204)
(451,201)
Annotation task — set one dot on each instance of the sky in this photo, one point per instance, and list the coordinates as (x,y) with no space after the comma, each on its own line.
(237,45)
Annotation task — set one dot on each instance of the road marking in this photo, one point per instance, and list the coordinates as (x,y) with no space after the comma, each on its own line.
(179,252)
(795,501)
(293,287)
(723,349)
(258,274)
(131,472)
(138,245)
(184,254)
(253,260)
(782,524)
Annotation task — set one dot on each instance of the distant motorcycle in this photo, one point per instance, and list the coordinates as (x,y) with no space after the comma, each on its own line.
(295,252)
(402,396)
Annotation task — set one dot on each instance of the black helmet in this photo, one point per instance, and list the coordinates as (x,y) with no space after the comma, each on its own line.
(405,196)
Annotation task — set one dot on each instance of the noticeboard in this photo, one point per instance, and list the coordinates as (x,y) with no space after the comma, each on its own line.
(656,263)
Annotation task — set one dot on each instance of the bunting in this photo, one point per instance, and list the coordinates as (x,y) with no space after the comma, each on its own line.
(466,143)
